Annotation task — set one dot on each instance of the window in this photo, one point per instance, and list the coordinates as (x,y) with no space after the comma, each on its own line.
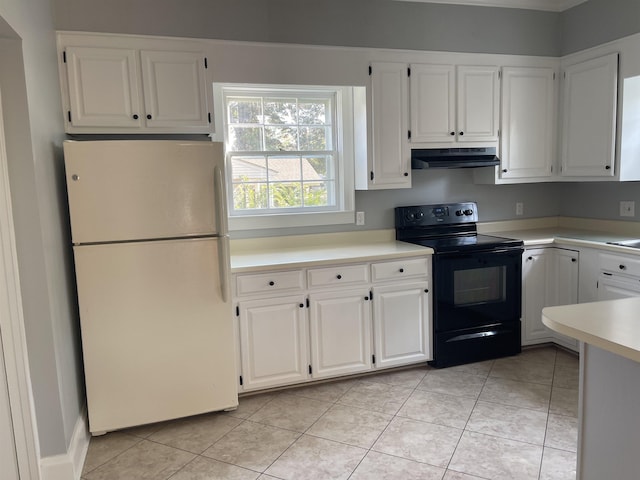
(289,155)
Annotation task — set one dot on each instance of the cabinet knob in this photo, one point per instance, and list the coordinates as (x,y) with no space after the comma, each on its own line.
(574,259)
(272,283)
(452,133)
(366,298)
(529,258)
(622,267)
(149,117)
(338,276)
(461,133)
(426,290)
(402,270)
(607,167)
(135,116)
(75,177)
(406,174)
(302,305)
(504,170)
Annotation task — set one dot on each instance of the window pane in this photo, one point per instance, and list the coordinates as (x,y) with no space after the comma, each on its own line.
(316,194)
(244,110)
(245,139)
(280,111)
(249,169)
(317,168)
(285,194)
(249,196)
(284,168)
(315,138)
(281,139)
(313,112)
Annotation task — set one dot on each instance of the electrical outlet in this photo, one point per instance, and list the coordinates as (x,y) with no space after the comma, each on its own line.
(628,209)
(359,218)
(519,208)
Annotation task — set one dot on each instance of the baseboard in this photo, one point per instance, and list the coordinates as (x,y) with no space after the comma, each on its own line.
(68,466)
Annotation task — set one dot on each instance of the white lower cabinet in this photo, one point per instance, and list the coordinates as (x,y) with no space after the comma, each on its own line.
(301,325)
(401,324)
(273,341)
(549,278)
(340,332)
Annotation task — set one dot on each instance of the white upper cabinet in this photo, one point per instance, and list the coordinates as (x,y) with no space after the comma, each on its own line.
(589,117)
(452,104)
(390,160)
(118,85)
(528,122)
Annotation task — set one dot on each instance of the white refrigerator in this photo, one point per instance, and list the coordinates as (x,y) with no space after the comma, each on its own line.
(148,226)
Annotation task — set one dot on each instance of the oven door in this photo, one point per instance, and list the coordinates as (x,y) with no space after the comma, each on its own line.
(477,289)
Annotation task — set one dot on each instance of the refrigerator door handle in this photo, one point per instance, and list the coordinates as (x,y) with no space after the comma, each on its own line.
(223,258)
(221,201)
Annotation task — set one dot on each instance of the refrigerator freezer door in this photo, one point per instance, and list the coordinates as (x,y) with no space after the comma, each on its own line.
(157,337)
(143,189)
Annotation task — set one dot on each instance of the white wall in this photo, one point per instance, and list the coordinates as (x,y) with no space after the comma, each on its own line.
(34,132)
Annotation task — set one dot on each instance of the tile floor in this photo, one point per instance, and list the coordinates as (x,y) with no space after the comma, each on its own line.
(511,418)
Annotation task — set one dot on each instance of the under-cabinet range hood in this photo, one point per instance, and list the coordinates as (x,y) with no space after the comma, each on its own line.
(454,157)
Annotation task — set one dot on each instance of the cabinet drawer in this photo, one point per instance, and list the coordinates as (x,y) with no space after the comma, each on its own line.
(620,264)
(338,275)
(399,269)
(270,282)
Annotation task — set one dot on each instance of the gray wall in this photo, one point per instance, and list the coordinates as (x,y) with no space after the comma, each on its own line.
(34,132)
(359,23)
(598,21)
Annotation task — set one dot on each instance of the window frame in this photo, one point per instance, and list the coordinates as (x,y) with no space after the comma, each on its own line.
(343,136)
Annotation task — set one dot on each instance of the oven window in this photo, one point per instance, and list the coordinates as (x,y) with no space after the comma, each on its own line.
(479,285)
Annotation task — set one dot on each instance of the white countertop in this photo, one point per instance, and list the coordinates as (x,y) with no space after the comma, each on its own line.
(612,325)
(312,250)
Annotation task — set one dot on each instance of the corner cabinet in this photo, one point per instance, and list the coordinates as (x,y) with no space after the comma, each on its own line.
(389,163)
(589,118)
(116,85)
(314,323)
(451,104)
(549,278)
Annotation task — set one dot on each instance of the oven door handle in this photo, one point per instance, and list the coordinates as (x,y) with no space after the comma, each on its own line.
(470,336)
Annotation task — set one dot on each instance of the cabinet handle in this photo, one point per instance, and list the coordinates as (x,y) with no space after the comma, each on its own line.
(338,276)
(574,260)
(406,174)
(461,133)
(302,305)
(504,170)
(272,283)
(452,133)
(135,116)
(529,259)
(402,270)
(366,298)
(622,267)
(149,117)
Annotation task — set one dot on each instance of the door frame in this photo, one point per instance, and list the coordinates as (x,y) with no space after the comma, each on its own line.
(12,332)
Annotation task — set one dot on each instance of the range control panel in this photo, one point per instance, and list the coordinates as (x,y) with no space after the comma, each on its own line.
(441,214)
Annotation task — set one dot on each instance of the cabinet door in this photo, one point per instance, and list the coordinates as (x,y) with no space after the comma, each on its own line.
(589,117)
(536,265)
(391,161)
(564,279)
(478,104)
(433,104)
(273,341)
(528,122)
(174,89)
(103,87)
(340,332)
(402,324)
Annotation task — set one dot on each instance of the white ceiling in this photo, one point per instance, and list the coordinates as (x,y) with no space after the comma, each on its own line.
(549,5)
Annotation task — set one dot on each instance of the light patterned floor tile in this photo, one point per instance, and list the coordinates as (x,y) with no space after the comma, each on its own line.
(379,466)
(567,359)
(478,368)
(505,421)
(558,465)
(145,460)
(566,377)
(290,412)
(419,441)
(208,469)
(106,447)
(562,433)
(252,445)
(518,394)
(249,405)
(351,425)
(564,401)
(523,370)
(451,475)
(378,397)
(195,434)
(438,408)
(544,354)
(451,382)
(401,378)
(325,392)
(312,458)
(496,458)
